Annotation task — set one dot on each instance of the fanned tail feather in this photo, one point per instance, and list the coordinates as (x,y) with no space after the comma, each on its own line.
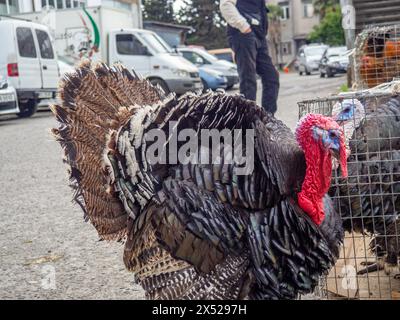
(96,101)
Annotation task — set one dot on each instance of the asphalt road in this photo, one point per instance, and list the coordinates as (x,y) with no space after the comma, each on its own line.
(46,249)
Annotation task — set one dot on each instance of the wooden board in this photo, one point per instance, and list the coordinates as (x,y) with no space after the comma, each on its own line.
(343,281)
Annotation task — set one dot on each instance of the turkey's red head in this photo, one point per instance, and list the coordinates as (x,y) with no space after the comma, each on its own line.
(320,138)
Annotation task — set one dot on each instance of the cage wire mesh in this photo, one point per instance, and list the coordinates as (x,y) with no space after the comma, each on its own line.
(376,58)
(369,199)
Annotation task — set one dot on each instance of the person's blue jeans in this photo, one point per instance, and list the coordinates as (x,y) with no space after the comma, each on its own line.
(251,55)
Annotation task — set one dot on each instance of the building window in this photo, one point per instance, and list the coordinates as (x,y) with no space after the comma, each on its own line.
(308,8)
(116,4)
(9,6)
(3,7)
(285,10)
(286,48)
(13,6)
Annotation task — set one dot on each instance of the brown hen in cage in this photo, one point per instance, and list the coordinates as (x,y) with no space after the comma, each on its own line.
(377,56)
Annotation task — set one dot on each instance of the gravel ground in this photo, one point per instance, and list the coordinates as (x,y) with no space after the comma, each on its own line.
(46,250)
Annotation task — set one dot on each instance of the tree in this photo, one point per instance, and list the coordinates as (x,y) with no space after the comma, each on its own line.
(159,10)
(204,16)
(321,6)
(330,30)
(274,31)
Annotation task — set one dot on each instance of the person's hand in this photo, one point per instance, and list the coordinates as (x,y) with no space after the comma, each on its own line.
(248,30)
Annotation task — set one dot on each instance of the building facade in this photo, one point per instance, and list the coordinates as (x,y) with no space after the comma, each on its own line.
(15,7)
(297,21)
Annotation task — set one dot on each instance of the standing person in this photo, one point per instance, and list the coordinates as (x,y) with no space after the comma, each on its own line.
(247,31)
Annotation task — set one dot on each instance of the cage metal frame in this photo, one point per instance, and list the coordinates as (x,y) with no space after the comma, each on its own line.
(372,281)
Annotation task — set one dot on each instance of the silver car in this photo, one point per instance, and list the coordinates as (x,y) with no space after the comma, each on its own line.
(8,98)
(201,57)
(309,56)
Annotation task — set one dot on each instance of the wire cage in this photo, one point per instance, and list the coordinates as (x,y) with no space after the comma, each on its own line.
(376,57)
(369,199)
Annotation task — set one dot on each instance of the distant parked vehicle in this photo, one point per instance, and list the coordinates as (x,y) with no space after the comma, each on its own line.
(309,57)
(65,67)
(8,98)
(202,58)
(28,60)
(223,54)
(212,79)
(334,60)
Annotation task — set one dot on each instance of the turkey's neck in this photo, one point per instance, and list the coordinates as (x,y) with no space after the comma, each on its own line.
(316,183)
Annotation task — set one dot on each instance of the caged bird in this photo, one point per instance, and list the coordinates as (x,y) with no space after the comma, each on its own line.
(369,199)
(201,229)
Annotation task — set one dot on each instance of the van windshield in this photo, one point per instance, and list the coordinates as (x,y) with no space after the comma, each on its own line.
(315,51)
(157,44)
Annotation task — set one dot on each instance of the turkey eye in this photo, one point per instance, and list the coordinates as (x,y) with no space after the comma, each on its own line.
(332,135)
(347,109)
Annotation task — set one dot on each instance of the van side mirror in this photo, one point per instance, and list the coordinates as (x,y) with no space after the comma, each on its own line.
(3,84)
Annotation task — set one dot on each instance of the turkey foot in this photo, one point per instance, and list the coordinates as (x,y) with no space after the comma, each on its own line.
(367,263)
(371,267)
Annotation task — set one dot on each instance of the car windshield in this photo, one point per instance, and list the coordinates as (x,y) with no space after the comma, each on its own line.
(155,42)
(336,52)
(315,51)
(207,56)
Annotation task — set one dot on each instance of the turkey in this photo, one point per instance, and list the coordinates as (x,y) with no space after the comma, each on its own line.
(201,229)
(370,196)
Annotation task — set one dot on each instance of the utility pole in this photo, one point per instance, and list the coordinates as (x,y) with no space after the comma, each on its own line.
(349,22)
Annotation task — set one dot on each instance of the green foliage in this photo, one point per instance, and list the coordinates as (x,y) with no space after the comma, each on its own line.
(159,10)
(204,16)
(321,6)
(330,30)
(275,12)
(344,88)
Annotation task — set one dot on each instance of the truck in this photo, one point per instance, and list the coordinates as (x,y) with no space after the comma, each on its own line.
(111,35)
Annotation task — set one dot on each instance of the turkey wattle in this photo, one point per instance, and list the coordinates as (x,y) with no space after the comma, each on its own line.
(194,230)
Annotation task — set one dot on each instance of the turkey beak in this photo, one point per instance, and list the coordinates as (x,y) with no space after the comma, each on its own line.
(339,153)
(335,153)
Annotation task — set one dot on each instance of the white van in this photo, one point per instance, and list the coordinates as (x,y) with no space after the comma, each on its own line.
(29,62)
(148,54)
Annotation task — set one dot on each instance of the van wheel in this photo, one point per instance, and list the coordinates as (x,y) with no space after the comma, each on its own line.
(27,109)
(161,83)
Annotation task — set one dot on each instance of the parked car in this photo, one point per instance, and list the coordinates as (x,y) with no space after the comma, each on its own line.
(212,79)
(309,57)
(334,60)
(29,61)
(223,54)
(65,66)
(202,58)
(8,98)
